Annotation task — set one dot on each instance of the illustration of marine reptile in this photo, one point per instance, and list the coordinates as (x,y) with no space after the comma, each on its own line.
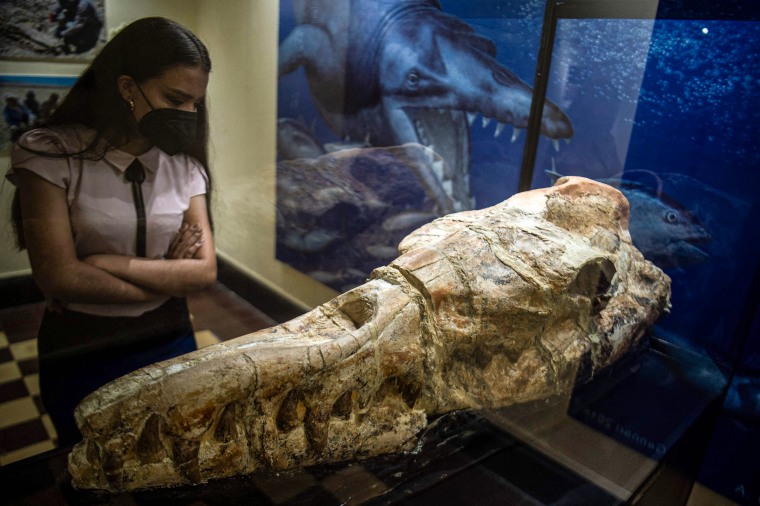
(391,72)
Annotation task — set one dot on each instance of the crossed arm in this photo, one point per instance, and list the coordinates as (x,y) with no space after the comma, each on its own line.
(109,279)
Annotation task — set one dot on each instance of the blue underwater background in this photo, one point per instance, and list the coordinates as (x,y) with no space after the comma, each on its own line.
(686,106)
(674,98)
(668,107)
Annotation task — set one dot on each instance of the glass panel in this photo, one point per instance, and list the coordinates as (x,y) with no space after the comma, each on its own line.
(402,114)
(731,466)
(661,110)
(657,97)
(694,130)
(514,27)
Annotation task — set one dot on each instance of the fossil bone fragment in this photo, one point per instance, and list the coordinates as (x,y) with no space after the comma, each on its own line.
(481,309)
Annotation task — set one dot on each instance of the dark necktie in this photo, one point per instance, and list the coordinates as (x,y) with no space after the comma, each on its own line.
(135,174)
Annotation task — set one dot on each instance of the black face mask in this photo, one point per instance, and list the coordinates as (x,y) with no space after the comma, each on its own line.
(171,130)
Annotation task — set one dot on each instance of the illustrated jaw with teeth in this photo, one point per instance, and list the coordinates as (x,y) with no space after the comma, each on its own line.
(447,133)
(443,132)
(472,116)
(481,309)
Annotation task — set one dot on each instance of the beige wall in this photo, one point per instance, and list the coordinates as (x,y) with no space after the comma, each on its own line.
(242,38)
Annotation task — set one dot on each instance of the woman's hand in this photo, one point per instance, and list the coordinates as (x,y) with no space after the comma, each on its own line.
(189,265)
(186,243)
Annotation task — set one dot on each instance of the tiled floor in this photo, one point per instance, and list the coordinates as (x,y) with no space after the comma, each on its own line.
(25,428)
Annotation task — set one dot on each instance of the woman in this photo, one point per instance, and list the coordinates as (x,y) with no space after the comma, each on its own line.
(112,207)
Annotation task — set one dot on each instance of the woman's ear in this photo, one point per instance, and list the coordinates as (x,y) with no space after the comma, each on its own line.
(126,87)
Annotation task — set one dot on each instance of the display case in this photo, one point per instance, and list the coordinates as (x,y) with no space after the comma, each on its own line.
(655,99)
(657,93)
(657,96)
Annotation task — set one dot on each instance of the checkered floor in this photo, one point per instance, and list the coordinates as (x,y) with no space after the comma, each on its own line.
(25,428)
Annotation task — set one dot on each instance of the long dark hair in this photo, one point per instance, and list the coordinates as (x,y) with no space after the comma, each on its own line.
(143,50)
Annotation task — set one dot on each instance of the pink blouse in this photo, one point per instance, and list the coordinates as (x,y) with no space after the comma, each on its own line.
(101,205)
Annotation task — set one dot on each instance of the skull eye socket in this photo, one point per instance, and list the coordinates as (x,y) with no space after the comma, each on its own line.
(594,280)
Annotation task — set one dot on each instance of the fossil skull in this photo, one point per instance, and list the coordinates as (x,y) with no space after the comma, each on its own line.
(481,309)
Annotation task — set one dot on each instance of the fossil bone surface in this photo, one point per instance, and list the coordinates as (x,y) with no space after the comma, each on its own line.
(481,309)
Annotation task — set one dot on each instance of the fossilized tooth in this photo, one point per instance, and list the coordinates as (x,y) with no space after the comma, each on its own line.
(481,309)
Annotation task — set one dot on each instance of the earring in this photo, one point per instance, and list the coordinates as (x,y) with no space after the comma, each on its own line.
(131,104)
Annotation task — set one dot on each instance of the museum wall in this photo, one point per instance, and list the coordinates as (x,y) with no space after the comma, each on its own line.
(242,38)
